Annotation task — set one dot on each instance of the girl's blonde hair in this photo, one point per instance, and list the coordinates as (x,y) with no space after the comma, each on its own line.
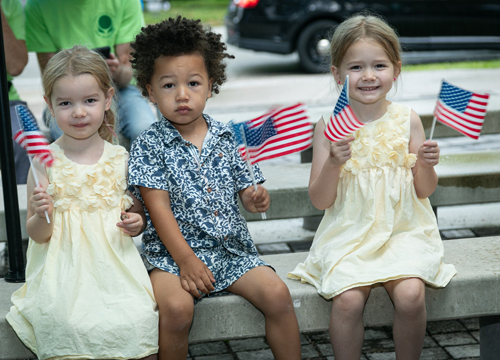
(79,61)
(364,26)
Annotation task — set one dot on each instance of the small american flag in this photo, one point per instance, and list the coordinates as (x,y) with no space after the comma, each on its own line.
(343,121)
(279,132)
(461,110)
(31,138)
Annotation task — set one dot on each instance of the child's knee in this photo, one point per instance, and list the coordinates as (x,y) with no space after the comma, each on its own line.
(176,314)
(410,297)
(277,298)
(350,302)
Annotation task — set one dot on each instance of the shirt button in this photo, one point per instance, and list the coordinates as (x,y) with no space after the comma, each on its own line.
(216,213)
(225,238)
(209,189)
(220,155)
(188,144)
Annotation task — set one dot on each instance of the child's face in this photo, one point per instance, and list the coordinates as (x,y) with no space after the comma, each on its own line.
(78,104)
(180,86)
(371,72)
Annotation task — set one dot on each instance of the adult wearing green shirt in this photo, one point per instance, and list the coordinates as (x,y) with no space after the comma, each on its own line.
(52,25)
(16,58)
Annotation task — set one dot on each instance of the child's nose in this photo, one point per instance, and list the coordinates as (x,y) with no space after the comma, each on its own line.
(79,111)
(368,75)
(182,93)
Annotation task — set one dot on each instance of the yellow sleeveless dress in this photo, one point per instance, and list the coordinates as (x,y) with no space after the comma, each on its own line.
(378,229)
(87,293)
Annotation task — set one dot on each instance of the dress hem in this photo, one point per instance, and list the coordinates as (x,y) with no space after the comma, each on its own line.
(374,282)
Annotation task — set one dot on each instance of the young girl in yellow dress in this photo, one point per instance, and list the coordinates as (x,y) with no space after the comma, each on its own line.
(378,227)
(87,293)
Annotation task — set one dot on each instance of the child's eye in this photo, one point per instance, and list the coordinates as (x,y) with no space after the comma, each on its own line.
(169,86)
(91,101)
(64,103)
(380,66)
(355,67)
(193,83)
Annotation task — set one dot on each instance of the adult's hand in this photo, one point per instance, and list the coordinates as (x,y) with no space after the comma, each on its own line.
(120,66)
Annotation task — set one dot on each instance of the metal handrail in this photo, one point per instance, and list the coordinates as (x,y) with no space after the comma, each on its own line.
(11,205)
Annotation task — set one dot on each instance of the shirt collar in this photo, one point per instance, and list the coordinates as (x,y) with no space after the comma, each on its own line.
(170,132)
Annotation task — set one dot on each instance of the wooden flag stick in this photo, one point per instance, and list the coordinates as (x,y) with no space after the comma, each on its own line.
(432,128)
(39,184)
(249,165)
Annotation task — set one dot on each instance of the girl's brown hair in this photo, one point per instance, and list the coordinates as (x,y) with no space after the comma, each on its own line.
(78,61)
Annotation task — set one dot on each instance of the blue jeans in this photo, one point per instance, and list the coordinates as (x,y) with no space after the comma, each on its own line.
(134,115)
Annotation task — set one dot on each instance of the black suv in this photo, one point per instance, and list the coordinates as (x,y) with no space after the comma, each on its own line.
(284,26)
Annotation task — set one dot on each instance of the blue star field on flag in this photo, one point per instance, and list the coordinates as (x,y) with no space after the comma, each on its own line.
(455,97)
(461,109)
(279,132)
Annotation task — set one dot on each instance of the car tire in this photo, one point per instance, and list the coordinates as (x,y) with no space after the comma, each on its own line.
(311,45)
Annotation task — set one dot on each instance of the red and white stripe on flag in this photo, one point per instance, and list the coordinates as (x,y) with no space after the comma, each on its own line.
(295,133)
(469,122)
(35,144)
(343,124)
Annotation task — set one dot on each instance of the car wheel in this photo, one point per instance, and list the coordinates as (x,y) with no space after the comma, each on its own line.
(313,46)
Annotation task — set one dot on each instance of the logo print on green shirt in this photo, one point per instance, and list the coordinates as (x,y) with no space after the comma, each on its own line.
(105,26)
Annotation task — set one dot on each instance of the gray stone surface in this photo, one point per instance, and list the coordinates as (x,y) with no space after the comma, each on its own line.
(457,234)
(248,344)
(453,339)
(473,292)
(462,352)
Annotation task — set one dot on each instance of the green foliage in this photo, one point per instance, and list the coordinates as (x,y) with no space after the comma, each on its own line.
(488,64)
(210,12)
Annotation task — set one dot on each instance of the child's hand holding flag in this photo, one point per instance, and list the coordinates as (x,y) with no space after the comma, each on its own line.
(33,141)
(279,132)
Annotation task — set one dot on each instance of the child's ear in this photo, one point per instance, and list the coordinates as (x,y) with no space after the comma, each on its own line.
(109,97)
(151,94)
(49,105)
(336,74)
(210,89)
(397,70)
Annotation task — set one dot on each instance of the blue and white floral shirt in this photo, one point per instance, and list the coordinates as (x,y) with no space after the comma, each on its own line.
(203,189)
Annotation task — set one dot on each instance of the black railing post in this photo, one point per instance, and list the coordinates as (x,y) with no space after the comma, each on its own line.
(11,205)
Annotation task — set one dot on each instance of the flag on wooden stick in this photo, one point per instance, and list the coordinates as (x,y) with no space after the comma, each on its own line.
(279,132)
(461,110)
(31,138)
(33,141)
(343,121)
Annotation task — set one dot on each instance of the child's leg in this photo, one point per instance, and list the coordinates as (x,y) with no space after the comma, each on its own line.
(346,323)
(268,293)
(176,309)
(410,316)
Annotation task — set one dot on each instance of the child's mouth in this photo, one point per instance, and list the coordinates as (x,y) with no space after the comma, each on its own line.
(183,111)
(368,88)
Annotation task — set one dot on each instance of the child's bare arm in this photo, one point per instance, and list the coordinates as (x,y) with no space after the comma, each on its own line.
(39,202)
(133,222)
(255,201)
(328,157)
(424,175)
(194,274)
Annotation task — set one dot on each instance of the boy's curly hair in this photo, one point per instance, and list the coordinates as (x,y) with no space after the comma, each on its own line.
(176,37)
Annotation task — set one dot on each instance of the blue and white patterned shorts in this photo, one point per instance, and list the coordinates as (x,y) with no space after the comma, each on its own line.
(226,266)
